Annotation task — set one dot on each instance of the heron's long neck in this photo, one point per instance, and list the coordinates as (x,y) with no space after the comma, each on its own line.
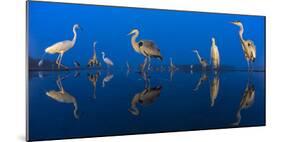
(74,37)
(94,49)
(241,32)
(134,42)
(198,56)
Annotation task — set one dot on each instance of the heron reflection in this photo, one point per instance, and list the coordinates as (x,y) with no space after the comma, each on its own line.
(63,97)
(129,68)
(246,102)
(172,69)
(146,97)
(94,78)
(214,89)
(107,78)
(201,80)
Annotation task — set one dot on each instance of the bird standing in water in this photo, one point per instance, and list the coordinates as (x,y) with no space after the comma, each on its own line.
(106,60)
(147,48)
(94,61)
(248,46)
(202,61)
(61,47)
(215,55)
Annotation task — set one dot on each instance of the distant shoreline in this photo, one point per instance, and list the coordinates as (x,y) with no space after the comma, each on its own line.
(154,70)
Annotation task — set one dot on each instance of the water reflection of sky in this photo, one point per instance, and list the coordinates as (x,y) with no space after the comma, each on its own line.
(128,104)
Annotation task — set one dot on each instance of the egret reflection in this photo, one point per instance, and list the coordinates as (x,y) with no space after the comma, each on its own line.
(63,97)
(246,101)
(94,78)
(214,89)
(145,97)
(129,68)
(107,78)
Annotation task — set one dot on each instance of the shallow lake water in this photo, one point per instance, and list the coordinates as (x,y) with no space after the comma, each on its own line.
(88,103)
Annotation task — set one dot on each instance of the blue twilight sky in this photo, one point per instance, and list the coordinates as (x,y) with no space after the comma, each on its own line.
(176,33)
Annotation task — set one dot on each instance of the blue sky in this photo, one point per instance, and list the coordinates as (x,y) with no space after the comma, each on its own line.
(176,33)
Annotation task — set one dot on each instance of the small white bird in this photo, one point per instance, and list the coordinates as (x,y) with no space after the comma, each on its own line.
(61,47)
(215,55)
(106,60)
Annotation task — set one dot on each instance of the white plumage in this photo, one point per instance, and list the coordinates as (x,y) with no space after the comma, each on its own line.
(61,47)
(106,60)
(215,55)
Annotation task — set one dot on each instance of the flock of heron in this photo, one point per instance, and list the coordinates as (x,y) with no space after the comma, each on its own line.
(149,49)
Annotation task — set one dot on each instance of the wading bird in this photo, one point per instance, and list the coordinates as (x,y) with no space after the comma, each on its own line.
(215,55)
(61,47)
(214,89)
(63,97)
(246,102)
(94,61)
(146,97)
(106,60)
(145,47)
(172,66)
(248,46)
(201,60)
(76,64)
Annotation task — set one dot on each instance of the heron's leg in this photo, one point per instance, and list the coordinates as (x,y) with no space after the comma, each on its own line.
(144,64)
(57,61)
(60,84)
(248,65)
(61,63)
(148,67)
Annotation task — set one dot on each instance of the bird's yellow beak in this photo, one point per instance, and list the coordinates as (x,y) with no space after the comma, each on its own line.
(131,32)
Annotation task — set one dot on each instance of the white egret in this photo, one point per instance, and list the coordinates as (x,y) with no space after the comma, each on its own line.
(61,47)
(106,60)
(215,55)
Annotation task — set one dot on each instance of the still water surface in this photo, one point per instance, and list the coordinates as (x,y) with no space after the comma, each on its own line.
(98,103)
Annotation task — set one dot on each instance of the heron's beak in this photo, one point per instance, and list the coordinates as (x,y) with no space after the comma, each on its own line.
(234,23)
(130,33)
